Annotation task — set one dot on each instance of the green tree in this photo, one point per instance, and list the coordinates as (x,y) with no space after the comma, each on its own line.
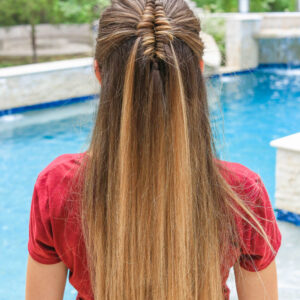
(255,5)
(30,12)
(273,5)
(82,11)
(218,5)
(33,12)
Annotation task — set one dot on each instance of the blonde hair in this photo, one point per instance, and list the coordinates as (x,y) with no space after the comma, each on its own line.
(157,214)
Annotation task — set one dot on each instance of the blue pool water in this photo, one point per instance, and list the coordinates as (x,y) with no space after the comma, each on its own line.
(258,108)
(254,109)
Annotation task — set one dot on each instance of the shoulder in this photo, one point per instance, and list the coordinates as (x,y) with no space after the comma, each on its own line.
(235,168)
(239,176)
(50,208)
(248,185)
(250,188)
(55,181)
(62,164)
(256,253)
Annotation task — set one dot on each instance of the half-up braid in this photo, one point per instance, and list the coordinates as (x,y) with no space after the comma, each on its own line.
(158,217)
(146,29)
(155,29)
(163,30)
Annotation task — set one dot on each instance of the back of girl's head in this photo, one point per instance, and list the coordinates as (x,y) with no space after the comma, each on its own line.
(155,210)
(165,33)
(156,23)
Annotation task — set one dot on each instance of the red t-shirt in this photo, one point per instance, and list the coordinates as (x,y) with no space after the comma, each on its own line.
(55,234)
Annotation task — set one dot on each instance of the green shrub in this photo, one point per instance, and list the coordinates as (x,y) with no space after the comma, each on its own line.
(34,12)
(218,5)
(255,5)
(49,11)
(273,5)
(81,11)
(217,29)
(216,26)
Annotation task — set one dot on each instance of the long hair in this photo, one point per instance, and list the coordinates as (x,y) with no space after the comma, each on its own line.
(157,214)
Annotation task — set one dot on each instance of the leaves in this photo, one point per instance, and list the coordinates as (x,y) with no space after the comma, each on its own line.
(82,11)
(50,11)
(255,5)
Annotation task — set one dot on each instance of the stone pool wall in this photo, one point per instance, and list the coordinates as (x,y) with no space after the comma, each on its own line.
(47,82)
(279,49)
(260,38)
(288,173)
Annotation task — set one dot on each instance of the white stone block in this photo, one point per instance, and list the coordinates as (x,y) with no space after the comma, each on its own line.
(47,82)
(241,46)
(212,55)
(287,192)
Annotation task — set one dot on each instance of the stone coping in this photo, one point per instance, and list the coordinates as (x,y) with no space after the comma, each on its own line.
(251,14)
(212,59)
(290,142)
(45,67)
(279,33)
(58,70)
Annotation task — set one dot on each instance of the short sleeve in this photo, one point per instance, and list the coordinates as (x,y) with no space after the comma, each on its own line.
(40,243)
(256,252)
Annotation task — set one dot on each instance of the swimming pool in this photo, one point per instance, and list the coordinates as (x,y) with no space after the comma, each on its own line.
(257,107)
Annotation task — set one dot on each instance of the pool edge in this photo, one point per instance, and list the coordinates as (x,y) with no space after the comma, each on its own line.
(63,102)
(287,216)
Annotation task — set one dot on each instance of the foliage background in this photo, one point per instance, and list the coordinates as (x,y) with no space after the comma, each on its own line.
(216,26)
(33,12)
(255,5)
(15,12)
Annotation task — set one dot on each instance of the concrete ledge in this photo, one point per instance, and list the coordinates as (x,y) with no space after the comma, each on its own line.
(241,47)
(39,83)
(272,20)
(279,47)
(47,82)
(45,67)
(290,143)
(281,20)
(259,38)
(278,33)
(287,191)
(287,216)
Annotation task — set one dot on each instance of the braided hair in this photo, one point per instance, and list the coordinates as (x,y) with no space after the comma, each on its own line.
(155,29)
(157,215)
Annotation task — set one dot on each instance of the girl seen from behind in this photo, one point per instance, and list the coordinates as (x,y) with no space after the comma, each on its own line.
(149,211)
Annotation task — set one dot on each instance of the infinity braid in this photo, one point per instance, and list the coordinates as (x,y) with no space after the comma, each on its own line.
(155,30)
(163,30)
(146,29)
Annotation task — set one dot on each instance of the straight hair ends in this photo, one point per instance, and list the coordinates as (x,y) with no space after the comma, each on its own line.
(157,215)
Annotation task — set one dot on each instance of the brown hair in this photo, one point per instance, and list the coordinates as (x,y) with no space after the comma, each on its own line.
(157,215)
